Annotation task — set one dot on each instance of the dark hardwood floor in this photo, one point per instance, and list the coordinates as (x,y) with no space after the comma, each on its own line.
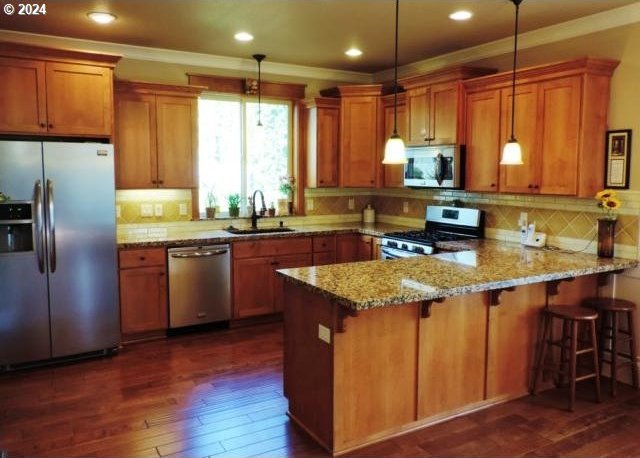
(220,394)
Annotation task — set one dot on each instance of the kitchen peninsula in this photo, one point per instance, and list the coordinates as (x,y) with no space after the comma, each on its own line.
(375,349)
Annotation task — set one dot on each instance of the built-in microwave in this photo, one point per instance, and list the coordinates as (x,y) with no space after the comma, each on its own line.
(439,166)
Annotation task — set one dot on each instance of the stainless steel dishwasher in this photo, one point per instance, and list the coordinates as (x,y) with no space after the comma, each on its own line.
(199,285)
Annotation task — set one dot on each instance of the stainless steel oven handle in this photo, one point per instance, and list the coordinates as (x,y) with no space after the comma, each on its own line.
(392,253)
(51,226)
(199,254)
(39,222)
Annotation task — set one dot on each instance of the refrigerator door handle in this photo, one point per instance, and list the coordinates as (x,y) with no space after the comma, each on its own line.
(39,220)
(51,227)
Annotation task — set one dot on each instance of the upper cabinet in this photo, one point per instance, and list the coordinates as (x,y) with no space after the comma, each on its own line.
(394,174)
(434,105)
(55,92)
(323,141)
(560,123)
(360,125)
(156,136)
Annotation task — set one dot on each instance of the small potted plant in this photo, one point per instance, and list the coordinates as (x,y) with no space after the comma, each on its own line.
(211,205)
(234,205)
(607,201)
(287,186)
(272,210)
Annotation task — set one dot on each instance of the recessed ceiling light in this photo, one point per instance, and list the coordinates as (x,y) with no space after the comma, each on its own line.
(101,17)
(243,36)
(353,52)
(461,15)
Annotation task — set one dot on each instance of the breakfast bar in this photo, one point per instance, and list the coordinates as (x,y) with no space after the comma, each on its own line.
(375,349)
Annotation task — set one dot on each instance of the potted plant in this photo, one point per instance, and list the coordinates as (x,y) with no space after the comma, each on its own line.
(608,201)
(211,205)
(272,210)
(234,205)
(287,186)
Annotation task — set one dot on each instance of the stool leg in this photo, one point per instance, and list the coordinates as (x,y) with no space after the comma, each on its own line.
(572,364)
(564,361)
(632,350)
(614,352)
(542,352)
(596,367)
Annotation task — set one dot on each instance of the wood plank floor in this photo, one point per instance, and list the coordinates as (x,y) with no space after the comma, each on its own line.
(220,394)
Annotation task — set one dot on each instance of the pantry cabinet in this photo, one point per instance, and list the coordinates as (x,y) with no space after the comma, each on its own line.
(560,122)
(323,142)
(143,291)
(360,144)
(394,174)
(55,92)
(156,136)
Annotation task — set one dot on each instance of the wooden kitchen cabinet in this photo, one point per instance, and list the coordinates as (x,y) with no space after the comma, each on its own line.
(324,250)
(394,174)
(56,92)
(323,142)
(347,247)
(256,288)
(156,136)
(561,112)
(360,127)
(143,291)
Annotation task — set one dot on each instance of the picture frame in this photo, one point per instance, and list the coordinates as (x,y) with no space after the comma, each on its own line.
(617,159)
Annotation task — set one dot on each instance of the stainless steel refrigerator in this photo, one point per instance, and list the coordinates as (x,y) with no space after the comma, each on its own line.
(58,255)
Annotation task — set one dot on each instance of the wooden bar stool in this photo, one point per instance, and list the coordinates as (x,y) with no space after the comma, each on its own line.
(610,309)
(571,316)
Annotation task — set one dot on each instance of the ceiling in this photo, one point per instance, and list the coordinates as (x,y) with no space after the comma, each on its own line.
(305,32)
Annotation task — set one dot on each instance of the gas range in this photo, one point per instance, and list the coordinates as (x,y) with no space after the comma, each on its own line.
(442,224)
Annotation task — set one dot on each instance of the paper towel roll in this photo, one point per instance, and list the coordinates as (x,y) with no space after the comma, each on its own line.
(369,214)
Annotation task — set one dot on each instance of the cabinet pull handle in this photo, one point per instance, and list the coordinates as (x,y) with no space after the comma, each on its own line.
(43,125)
(530,186)
(160,181)
(153,181)
(142,258)
(274,263)
(321,181)
(50,126)
(493,185)
(161,274)
(536,186)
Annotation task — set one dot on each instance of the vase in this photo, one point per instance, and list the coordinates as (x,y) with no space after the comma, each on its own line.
(283,207)
(290,207)
(211,212)
(234,212)
(606,233)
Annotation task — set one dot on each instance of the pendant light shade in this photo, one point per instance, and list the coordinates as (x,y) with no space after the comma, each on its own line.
(512,153)
(259,58)
(394,151)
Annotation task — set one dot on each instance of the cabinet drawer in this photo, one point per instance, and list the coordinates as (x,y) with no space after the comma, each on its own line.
(143,257)
(324,243)
(250,249)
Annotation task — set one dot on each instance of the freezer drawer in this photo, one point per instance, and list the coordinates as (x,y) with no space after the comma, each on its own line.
(199,285)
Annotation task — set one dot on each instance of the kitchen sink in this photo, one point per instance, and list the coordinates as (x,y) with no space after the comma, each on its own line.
(260,230)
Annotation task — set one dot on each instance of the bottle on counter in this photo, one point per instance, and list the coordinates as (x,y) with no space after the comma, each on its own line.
(369,214)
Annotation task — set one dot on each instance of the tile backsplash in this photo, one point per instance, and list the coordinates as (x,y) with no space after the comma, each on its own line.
(163,204)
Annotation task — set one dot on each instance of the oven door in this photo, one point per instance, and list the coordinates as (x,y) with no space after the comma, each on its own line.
(394,253)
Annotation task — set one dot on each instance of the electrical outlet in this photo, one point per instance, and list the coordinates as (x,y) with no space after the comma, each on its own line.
(182,209)
(146,210)
(524,219)
(118,211)
(310,204)
(324,334)
(405,207)
(157,209)
(352,203)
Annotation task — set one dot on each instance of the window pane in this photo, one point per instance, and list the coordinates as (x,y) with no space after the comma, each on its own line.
(267,148)
(220,148)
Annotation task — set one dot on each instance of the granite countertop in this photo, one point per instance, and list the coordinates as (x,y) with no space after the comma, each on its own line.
(483,265)
(181,236)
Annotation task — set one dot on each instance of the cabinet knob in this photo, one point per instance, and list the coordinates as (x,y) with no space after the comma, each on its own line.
(493,185)
(371,182)
(50,126)
(142,258)
(274,263)
(160,181)
(530,186)
(536,186)
(43,125)
(321,181)
(153,181)
(161,274)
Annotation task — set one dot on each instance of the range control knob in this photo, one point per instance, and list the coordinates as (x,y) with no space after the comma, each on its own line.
(392,244)
(418,249)
(404,246)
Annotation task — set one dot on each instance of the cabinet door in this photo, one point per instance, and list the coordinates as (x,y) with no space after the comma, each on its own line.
(22,96)
(418,115)
(324,258)
(560,131)
(79,99)
(359,141)
(365,248)
(483,141)
(347,247)
(253,286)
(177,120)
(521,178)
(286,262)
(136,158)
(328,137)
(394,174)
(444,113)
(143,299)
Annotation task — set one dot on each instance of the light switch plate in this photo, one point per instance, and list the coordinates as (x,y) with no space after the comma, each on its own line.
(309,204)
(118,211)
(324,333)
(182,209)
(352,203)
(157,209)
(405,207)
(146,210)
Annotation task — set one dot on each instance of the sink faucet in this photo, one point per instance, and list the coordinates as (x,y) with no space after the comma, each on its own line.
(254,215)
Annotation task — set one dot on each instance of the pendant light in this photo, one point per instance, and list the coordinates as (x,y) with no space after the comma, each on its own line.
(394,152)
(259,58)
(512,153)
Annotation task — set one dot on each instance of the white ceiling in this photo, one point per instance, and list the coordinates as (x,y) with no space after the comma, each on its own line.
(304,32)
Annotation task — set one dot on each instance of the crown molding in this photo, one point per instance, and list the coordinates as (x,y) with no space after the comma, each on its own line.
(185,58)
(598,22)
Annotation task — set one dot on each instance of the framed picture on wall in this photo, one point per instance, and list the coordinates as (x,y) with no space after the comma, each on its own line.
(618,159)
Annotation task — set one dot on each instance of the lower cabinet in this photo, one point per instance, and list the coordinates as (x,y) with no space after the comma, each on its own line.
(257,290)
(356,247)
(324,250)
(143,291)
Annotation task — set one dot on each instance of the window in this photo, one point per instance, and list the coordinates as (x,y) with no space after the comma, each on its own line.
(237,156)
